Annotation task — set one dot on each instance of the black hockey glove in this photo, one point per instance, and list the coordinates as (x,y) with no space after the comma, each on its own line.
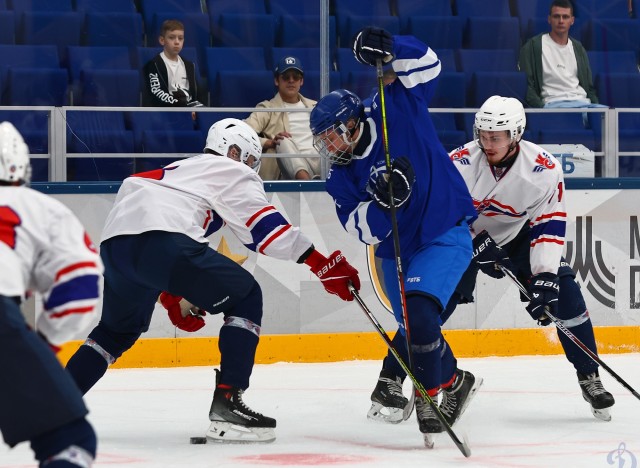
(544,290)
(488,255)
(402,177)
(371,44)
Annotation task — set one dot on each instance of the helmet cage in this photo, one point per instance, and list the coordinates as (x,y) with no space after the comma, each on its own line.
(323,142)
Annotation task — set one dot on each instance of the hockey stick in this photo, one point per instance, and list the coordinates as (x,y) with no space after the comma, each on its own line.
(558,323)
(462,445)
(395,233)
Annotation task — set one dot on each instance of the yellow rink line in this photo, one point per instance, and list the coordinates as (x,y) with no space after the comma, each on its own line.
(182,352)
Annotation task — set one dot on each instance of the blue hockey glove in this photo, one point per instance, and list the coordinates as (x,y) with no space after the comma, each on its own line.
(372,44)
(488,255)
(402,178)
(544,290)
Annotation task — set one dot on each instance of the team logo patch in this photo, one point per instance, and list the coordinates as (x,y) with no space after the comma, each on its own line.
(543,161)
(461,157)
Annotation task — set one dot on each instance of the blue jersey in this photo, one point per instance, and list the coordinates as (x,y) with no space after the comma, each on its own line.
(440,198)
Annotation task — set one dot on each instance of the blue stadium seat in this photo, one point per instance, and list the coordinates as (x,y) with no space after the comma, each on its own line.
(37,87)
(616,61)
(311,86)
(347,62)
(232,58)
(27,56)
(615,34)
(167,122)
(629,132)
(475,9)
(473,60)
(97,57)
(243,30)
(242,88)
(359,7)
(493,33)
(151,7)
(294,8)
(197,30)
(450,91)
(529,9)
(304,31)
(100,6)
(438,32)
(20,6)
(348,26)
(443,121)
(218,7)
(34,127)
(7,28)
(114,88)
(577,137)
(411,8)
(447,59)
(361,82)
(182,141)
(93,121)
(598,9)
(619,89)
(102,29)
(61,29)
(452,139)
(309,56)
(487,84)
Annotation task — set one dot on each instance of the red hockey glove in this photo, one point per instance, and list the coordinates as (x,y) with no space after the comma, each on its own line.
(335,273)
(182,313)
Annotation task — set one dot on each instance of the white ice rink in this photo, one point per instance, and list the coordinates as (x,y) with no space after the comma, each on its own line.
(528,413)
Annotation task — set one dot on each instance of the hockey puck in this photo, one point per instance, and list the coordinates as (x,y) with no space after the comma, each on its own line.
(198,440)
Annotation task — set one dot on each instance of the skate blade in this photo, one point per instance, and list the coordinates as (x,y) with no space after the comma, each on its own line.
(429,440)
(228,433)
(385,414)
(602,414)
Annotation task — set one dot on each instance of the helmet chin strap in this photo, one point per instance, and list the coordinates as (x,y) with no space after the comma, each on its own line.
(506,159)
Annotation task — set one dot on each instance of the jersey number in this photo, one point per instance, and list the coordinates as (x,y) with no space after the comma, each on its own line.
(9,219)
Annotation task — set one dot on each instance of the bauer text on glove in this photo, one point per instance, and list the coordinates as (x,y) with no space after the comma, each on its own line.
(489,255)
(182,313)
(335,273)
(544,289)
(373,44)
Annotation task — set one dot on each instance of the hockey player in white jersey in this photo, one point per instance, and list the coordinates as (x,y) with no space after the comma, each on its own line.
(44,249)
(518,191)
(154,241)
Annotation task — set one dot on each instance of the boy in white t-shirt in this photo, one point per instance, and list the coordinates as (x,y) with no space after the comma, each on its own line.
(169,79)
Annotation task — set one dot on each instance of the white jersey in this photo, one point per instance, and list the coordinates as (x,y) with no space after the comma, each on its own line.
(196,196)
(531,190)
(43,247)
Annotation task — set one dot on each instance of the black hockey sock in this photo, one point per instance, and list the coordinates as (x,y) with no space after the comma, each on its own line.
(86,367)
(580,360)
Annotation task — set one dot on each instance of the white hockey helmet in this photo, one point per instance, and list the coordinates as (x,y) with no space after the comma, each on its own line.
(14,155)
(235,139)
(500,113)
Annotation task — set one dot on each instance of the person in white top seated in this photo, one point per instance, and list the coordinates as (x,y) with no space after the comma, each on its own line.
(287,132)
(557,65)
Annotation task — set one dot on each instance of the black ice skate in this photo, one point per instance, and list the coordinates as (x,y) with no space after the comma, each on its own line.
(456,398)
(594,393)
(233,422)
(387,401)
(428,422)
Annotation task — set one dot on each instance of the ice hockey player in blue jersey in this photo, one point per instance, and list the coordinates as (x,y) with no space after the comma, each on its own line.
(433,211)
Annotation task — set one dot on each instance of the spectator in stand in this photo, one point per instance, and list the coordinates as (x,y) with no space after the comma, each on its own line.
(169,79)
(557,66)
(286,132)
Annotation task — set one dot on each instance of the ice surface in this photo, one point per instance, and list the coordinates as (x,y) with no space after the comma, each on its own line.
(528,413)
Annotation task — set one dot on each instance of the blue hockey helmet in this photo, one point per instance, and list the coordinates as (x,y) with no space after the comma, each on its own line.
(337,113)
